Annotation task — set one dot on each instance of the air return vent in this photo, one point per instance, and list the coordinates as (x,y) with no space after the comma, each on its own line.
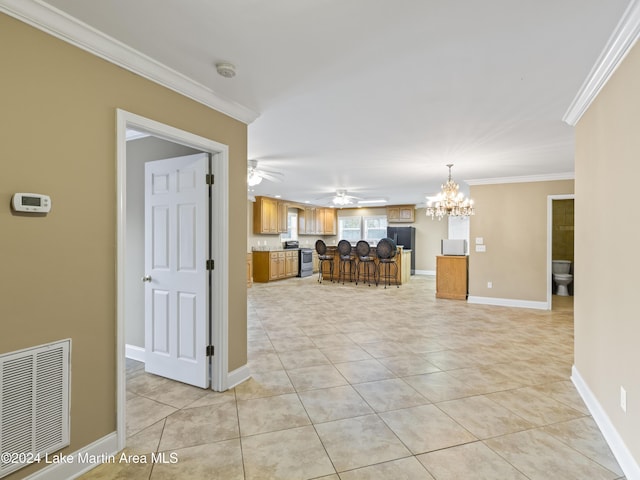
(34,404)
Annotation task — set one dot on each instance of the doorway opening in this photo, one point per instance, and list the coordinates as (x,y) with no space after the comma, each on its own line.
(560,241)
(126,272)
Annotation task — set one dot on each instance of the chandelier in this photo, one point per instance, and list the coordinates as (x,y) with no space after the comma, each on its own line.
(450,201)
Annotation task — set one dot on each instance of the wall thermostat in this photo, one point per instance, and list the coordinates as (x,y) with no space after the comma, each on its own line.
(31,202)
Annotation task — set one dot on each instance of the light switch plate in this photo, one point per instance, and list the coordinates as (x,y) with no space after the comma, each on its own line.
(481,248)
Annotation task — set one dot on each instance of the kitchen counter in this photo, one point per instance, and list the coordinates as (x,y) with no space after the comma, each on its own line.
(275,264)
(403,260)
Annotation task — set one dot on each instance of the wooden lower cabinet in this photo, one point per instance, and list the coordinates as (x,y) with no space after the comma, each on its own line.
(452,276)
(249,270)
(274,265)
(291,263)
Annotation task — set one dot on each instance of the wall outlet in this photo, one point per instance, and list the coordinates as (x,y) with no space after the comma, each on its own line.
(489,284)
(479,241)
(623,399)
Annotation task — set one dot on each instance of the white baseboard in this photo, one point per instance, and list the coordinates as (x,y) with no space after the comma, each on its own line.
(430,273)
(508,302)
(96,451)
(134,353)
(626,461)
(234,378)
(238,376)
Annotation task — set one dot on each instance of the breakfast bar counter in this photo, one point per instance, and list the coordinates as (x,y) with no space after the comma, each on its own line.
(402,259)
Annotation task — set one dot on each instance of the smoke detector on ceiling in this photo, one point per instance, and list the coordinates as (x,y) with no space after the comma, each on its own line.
(227,70)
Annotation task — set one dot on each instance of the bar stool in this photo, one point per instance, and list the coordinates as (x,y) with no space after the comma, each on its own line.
(321,248)
(344,250)
(362,251)
(386,252)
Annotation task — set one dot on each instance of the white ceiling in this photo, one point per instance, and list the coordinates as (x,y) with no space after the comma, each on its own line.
(377,96)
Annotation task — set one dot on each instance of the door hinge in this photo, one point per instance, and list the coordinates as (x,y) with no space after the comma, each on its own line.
(210,264)
(210,350)
(210,179)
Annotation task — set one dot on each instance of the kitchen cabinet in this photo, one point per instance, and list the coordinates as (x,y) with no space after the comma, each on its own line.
(274,265)
(265,216)
(282,214)
(291,263)
(317,221)
(452,276)
(327,221)
(249,270)
(320,216)
(310,220)
(401,214)
(307,221)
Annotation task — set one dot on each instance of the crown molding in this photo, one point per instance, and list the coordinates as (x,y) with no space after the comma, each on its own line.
(71,30)
(620,43)
(546,177)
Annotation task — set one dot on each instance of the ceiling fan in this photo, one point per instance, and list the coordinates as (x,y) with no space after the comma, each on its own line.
(255,175)
(341,198)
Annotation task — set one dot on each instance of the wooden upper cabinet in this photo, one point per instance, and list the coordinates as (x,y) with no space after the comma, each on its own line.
(283,213)
(320,214)
(301,223)
(310,220)
(401,214)
(329,221)
(270,216)
(265,215)
(317,221)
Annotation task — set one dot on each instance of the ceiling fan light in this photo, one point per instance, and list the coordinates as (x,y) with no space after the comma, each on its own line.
(253,179)
(341,200)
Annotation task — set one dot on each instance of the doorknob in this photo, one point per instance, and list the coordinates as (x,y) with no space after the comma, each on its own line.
(146,278)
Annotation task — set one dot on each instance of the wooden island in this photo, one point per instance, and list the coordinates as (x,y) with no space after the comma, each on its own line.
(403,260)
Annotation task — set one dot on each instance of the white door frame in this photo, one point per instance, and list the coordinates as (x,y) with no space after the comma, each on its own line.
(550,199)
(219,241)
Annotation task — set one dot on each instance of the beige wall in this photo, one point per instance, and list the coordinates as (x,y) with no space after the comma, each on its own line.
(429,232)
(607,324)
(563,244)
(58,279)
(512,220)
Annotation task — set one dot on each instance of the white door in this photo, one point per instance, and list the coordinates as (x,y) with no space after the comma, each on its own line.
(177,322)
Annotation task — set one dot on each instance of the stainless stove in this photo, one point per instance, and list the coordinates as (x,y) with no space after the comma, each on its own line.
(305,258)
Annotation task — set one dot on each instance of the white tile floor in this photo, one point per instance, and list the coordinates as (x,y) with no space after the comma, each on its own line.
(356,382)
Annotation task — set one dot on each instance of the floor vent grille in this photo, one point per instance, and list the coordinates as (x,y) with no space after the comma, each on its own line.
(34,404)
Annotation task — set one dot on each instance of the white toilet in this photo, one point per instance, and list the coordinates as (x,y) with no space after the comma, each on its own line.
(561,276)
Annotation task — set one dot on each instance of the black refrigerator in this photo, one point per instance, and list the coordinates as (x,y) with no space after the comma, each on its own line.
(405,236)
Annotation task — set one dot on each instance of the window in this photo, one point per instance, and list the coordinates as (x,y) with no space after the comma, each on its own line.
(349,228)
(371,229)
(292,227)
(375,228)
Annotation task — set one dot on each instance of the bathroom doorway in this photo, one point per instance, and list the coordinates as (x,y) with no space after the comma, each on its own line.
(560,243)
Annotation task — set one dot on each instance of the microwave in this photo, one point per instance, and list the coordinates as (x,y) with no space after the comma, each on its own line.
(453,247)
